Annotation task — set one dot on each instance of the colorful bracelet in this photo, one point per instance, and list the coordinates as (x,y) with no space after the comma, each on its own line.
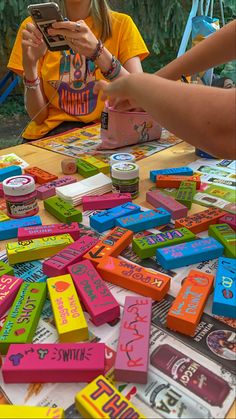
(114,70)
(98,52)
(31,84)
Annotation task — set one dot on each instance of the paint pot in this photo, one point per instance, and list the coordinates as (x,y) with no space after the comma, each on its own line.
(125,178)
(20,196)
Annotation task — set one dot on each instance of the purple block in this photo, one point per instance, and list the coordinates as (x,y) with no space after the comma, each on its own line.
(158,199)
(49,189)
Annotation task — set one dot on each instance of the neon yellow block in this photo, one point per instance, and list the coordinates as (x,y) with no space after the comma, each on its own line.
(100,165)
(37,248)
(69,317)
(30,412)
(100,399)
(3,216)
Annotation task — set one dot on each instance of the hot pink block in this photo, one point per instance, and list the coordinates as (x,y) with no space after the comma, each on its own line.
(1,191)
(54,363)
(158,199)
(107,201)
(93,292)
(9,287)
(48,189)
(132,357)
(58,264)
(229,219)
(28,233)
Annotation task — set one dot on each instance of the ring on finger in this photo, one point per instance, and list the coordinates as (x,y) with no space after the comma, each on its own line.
(77,26)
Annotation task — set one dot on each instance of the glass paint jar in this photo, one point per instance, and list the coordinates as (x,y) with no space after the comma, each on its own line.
(20,196)
(125,178)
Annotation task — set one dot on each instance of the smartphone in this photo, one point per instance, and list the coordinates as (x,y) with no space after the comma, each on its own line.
(43,15)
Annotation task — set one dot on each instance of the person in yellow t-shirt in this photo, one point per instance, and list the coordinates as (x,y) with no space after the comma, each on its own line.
(59,86)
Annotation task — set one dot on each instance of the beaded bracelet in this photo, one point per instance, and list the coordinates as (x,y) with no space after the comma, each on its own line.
(98,52)
(114,70)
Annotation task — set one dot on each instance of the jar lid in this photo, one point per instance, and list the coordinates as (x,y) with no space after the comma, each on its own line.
(18,185)
(125,171)
(121,157)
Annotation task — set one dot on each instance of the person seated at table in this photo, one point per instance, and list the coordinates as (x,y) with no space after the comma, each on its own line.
(203,116)
(58,85)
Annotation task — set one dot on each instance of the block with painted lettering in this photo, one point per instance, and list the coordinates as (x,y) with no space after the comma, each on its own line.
(159,199)
(58,264)
(185,193)
(100,399)
(5,269)
(169,181)
(28,233)
(201,221)
(111,245)
(98,164)
(9,229)
(9,287)
(10,171)
(187,308)
(107,201)
(49,189)
(185,254)
(144,220)
(63,211)
(94,293)
(3,216)
(147,246)
(86,169)
(40,176)
(30,412)
(35,249)
(69,317)
(224,299)
(229,219)
(105,220)
(226,236)
(30,271)
(54,363)
(132,355)
(24,315)
(180,171)
(134,278)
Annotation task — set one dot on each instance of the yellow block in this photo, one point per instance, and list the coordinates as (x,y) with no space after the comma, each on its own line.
(100,165)
(30,412)
(44,247)
(100,399)
(3,216)
(69,317)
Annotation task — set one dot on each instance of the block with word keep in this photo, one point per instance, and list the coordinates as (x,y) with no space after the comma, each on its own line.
(144,220)
(106,201)
(185,254)
(226,236)
(10,171)
(54,363)
(29,233)
(201,221)
(229,219)
(98,164)
(187,308)
(24,315)
(69,317)
(132,355)
(159,199)
(49,189)
(105,220)
(30,412)
(224,299)
(100,399)
(40,176)
(63,211)
(5,269)
(169,181)
(147,246)
(180,171)
(3,216)
(9,229)
(134,278)
(58,264)
(86,169)
(9,287)
(185,193)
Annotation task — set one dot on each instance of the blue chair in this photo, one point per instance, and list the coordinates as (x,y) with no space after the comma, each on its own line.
(7,88)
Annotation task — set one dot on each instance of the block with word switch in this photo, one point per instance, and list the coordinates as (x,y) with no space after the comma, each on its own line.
(49,189)
(69,317)
(98,164)
(5,269)
(40,176)
(9,229)
(3,216)
(10,171)
(187,308)
(169,181)
(180,171)
(107,201)
(86,169)
(105,220)
(201,221)
(226,236)
(158,199)
(185,193)
(63,211)
(9,287)
(224,299)
(24,315)
(29,233)
(30,412)
(144,220)
(229,219)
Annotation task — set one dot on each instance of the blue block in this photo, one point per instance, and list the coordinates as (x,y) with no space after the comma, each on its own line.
(9,229)
(106,219)
(30,271)
(181,171)
(224,299)
(10,171)
(144,220)
(188,253)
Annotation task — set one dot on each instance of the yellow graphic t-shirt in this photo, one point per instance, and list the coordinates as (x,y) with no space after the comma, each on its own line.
(69,79)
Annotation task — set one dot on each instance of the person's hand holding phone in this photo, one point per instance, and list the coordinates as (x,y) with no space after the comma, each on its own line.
(33,46)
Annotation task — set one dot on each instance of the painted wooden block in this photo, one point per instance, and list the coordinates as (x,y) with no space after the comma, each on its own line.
(94,294)
(111,245)
(35,249)
(100,399)
(24,315)
(185,193)
(3,216)
(180,171)
(98,164)
(147,246)
(134,278)
(1,191)
(5,269)
(9,287)
(68,166)
(224,299)
(169,181)
(226,236)
(30,412)
(110,200)
(54,363)
(144,220)
(69,317)
(201,221)
(132,356)
(188,253)
(105,220)
(86,169)
(10,171)
(63,211)
(60,262)
(158,199)
(49,189)
(30,271)
(187,308)
(29,233)
(9,229)
(229,219)
(41,176)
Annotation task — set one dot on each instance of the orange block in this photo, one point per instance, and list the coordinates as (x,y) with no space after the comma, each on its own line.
(134,278)
(189,304)
(201,221)
(40,176)
(171,181)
